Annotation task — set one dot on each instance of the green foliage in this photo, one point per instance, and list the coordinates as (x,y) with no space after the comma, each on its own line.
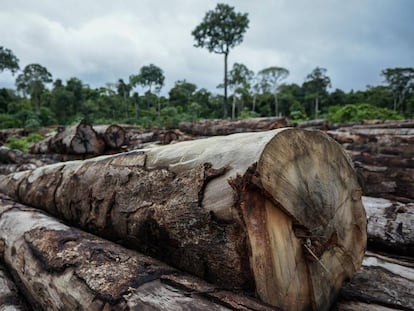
(8,60)
(24,143)
(356,113)
(246,114)
(17,143)
(9,121)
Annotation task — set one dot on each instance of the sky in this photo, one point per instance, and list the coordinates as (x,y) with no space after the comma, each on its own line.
(101,41)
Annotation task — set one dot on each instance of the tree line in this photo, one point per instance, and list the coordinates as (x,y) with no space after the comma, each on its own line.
(39,100)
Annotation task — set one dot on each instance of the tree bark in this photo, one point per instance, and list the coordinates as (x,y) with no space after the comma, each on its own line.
(225,127)
(10,298)
(61,268)
(383,281)
(282,217)
(113,135)
(390,226)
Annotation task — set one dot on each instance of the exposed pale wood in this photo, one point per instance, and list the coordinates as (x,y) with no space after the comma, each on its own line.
(281,216)
(113,135)
(383,281)
(225,127)
(10,298)
(61,268)
(390,225)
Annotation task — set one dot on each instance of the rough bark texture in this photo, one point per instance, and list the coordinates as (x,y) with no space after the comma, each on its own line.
(77,139)
(390,225)
(10,298)
(383,281)
(113,135)
(61,268)
(225,127)
(281,217)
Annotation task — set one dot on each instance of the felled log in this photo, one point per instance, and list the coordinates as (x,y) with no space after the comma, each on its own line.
(225,127)
(61,268)
(319,124)
(5,134)
(390,225)
(395,183)
(10,298)
(113,135)
(382,281)
(77,139)
(281,217)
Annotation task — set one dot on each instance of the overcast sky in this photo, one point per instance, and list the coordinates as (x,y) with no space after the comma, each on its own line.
(100,41)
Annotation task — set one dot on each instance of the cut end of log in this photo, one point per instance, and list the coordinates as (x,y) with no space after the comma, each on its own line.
(306,224)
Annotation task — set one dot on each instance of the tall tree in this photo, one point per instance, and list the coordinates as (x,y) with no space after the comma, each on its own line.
(401,82)
(123,90)
(271,77)
(8,60)
(317,82)
(32,82)
(149,76)
(221,30)
(239,81)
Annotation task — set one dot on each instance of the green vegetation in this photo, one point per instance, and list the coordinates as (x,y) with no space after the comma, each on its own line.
(356,113)
(24,143)
(39,100)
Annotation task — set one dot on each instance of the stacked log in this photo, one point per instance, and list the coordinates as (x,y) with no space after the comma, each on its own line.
(226,127)
(10,298)
(282,218)
(113,135)
(62,268)
(383,155)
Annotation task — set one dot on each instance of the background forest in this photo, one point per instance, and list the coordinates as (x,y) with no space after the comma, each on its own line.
(40,99)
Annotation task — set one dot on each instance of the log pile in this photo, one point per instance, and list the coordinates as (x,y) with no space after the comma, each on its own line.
(200,206)
(383,155)
(282,220)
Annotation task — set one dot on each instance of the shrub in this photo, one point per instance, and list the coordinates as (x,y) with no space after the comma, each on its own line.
(359,112)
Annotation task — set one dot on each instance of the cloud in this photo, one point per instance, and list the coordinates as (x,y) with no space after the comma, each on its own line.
(102,41)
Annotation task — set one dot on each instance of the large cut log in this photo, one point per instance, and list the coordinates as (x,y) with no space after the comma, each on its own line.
(10,298)
(77,139)
(383,281)
(390,226)
(61,268)
(113,135)
(225,127)
(278,212)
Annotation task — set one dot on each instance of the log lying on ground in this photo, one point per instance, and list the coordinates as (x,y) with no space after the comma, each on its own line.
(77,139)
(276,212)
(382,281)
(225,127)
(113,135)
(10,298)
(390,226)
(61,268)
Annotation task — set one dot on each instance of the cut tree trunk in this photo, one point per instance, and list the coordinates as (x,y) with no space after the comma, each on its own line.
(61,268)
(77,139)
(225,127)
(10,298)
(277,212)
(113,135)
(382,281)
(390,226)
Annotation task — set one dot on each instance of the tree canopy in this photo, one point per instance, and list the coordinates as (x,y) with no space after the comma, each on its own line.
(8,60)
(221,30)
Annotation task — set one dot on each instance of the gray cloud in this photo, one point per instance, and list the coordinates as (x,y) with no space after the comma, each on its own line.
(102,41)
